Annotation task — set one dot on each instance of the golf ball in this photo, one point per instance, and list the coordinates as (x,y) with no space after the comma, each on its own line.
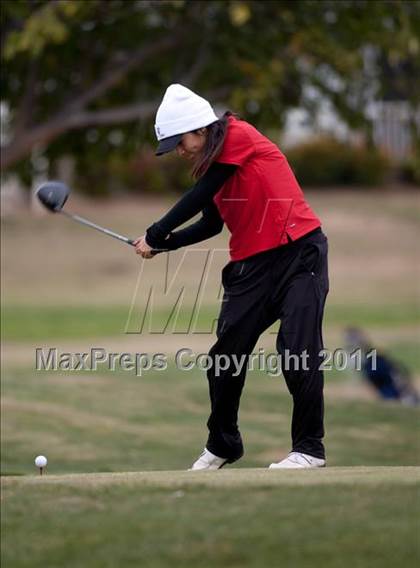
(41,461)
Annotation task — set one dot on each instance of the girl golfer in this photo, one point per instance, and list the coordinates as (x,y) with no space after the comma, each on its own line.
(278,268)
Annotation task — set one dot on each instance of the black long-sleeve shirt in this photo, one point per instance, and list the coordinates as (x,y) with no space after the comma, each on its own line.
(198,198)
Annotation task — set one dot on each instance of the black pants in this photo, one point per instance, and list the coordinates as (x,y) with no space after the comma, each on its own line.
(288,283)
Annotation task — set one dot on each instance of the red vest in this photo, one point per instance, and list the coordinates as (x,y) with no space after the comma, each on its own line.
(262,202)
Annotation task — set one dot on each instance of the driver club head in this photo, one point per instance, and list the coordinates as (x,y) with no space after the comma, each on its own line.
(53,195)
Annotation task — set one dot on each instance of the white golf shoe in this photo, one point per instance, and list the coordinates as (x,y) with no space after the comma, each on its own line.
(296,460)
(207,460)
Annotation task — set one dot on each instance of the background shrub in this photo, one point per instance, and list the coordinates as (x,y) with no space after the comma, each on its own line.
(327,162)
(141,173)
(410,171)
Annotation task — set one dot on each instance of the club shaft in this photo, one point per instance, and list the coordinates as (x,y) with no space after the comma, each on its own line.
(84,221)
(108,232)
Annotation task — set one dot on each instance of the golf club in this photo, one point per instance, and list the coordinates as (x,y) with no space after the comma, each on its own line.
(53,195)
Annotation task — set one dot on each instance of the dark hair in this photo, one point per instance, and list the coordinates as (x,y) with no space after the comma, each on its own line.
(216,133)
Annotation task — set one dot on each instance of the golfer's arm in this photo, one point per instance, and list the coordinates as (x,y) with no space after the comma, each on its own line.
(194,201)
(209,225)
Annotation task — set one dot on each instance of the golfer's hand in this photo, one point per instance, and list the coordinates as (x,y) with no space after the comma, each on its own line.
(142,248)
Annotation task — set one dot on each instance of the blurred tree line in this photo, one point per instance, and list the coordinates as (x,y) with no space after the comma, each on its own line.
(85,77)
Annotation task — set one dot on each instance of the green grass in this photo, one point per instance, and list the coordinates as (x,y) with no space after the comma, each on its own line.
(90,422)
(32,323)
(250,518)
(407,352)
(360,516)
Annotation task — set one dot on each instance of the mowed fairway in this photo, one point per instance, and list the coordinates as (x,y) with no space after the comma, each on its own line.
(337,517)
(116,492)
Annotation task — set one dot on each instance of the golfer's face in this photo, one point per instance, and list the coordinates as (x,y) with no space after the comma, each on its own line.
(191,145)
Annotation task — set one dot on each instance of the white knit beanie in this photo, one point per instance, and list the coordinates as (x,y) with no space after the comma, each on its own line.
(180,111)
